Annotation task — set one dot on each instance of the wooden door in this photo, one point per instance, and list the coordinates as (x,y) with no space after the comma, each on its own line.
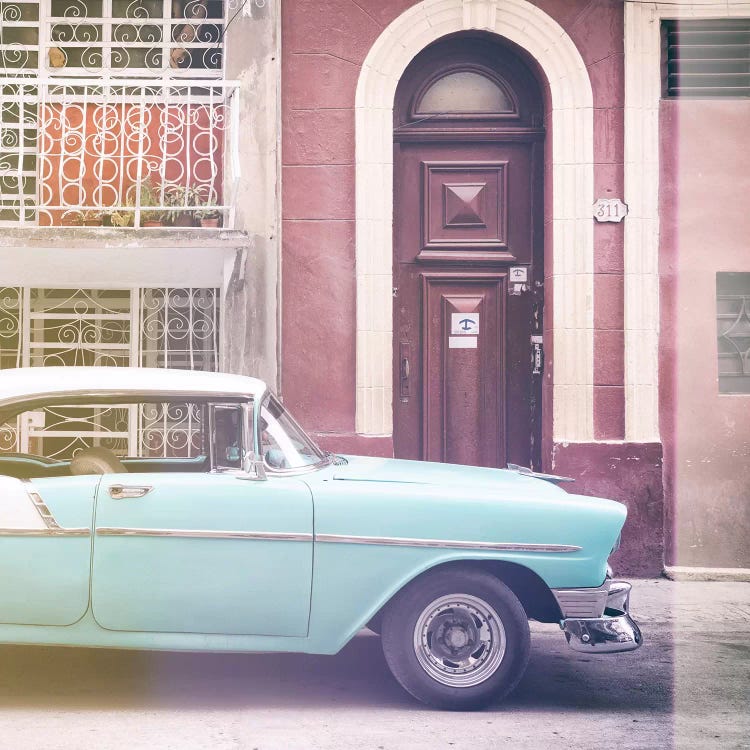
(467,273)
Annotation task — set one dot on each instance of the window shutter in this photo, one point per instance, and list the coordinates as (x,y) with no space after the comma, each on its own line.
(706,58)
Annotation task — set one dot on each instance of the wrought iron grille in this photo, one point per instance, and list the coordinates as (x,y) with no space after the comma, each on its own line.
(108,38)
(61,432)
(733,330)
(130,152)
(155,327)
(170,430)
(179,328)
(116,111)
(136,430)
(10,327)
(78,327)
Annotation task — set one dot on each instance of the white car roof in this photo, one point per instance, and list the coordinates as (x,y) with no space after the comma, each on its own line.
(37,383)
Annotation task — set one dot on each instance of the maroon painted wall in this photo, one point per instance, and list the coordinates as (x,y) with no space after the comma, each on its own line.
(632,474)
(324,43)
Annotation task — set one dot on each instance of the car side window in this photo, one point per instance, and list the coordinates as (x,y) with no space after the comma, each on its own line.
(226,437)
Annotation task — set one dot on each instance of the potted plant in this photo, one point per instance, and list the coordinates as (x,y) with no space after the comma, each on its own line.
(91,218)
(71,218)
(148,200)
(209,214)
(184,197)
(122,217)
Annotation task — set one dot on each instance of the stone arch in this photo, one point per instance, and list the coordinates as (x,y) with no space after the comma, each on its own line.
(572,195)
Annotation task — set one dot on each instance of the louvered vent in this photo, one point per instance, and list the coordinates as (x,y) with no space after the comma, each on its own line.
(706,58)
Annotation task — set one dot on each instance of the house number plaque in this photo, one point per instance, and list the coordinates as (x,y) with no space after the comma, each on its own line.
(610,209)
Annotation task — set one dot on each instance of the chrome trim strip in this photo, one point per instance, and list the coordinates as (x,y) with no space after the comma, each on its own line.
(269,536)
(582,602)
(45,532)
(445,543)
(51,527)
(613,632)
(619,596)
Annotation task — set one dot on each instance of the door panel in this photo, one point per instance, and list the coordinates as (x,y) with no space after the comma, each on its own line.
(464,215)
(465,211)
(45,557)
(463,334)
(459,203)
(187,557)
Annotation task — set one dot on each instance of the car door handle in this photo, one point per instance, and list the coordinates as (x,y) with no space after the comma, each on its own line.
(124,492)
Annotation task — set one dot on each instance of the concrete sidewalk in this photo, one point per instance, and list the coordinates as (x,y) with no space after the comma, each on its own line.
(692,673)
(692,604)
(705,628)
(687,688)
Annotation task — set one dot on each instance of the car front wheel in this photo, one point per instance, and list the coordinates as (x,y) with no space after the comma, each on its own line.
(456,639)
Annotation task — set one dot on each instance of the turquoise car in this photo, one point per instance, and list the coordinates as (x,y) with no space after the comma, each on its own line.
(181,510)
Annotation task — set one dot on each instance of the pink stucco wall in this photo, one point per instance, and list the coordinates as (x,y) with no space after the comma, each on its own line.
(705,226)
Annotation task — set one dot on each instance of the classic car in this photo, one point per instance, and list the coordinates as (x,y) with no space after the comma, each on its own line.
(181,510)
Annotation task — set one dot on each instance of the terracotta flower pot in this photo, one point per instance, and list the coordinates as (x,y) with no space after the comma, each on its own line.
(184,219)
(152,223)
(212,223)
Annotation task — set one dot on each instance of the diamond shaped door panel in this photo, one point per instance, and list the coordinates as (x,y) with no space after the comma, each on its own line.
(466,213)
(464,205)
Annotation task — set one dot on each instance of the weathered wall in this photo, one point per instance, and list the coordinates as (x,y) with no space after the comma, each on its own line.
(250,330)
(324,43)
(323,47)
(705,225)
(632,474)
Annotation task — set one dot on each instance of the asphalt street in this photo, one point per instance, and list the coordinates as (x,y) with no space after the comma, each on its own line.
(687,687)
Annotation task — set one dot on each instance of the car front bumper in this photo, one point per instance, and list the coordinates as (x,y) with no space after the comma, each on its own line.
(613,632)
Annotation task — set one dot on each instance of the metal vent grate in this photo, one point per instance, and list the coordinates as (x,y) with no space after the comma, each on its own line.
(733,331)
(706,58)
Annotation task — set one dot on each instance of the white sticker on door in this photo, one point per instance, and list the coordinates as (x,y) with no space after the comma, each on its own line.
(464,324)
(462,342)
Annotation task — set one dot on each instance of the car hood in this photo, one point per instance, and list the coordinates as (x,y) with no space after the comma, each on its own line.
(392,470)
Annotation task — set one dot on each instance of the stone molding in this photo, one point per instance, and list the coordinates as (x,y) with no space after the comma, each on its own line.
(573,182)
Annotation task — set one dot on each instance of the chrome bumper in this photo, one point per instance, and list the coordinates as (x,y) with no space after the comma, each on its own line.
(613,632)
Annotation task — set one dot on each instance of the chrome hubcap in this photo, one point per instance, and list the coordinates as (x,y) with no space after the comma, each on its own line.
(459,640)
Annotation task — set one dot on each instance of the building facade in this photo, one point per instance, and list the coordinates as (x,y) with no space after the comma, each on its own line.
(481,231)
(136,204)
(431,152)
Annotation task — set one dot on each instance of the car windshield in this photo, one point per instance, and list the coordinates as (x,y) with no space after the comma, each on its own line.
(283,443)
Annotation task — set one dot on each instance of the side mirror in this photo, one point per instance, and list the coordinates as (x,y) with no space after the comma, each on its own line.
(252,469)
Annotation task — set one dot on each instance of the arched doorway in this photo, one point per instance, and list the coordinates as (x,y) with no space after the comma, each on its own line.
(468,255)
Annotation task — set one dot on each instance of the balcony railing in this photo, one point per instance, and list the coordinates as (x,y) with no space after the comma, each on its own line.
(127,153)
